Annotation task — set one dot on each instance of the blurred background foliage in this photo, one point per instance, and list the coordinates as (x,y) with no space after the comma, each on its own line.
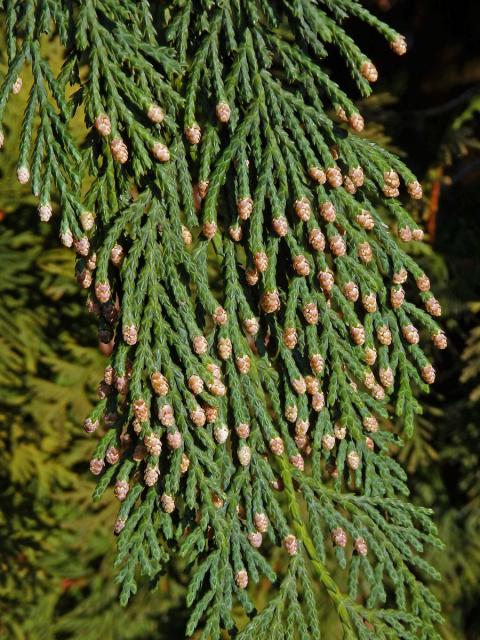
(56,547)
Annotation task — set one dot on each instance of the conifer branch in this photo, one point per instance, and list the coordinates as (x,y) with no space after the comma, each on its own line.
(230,225)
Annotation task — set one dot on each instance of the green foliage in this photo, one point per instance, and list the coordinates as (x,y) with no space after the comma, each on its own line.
(249,294)
(56,552)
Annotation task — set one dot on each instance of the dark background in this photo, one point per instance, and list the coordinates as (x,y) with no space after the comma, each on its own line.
(436,87)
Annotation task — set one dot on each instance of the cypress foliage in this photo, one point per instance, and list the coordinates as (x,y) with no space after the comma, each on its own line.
(235,233)
(56,556)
